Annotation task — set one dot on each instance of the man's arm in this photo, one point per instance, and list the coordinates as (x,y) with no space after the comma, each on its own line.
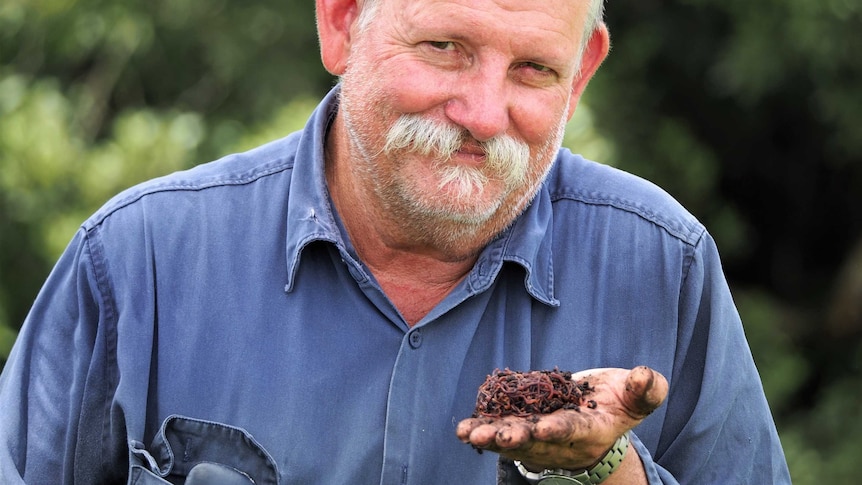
(716,427)
(56,360)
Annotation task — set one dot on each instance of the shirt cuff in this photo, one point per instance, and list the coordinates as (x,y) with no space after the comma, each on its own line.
(653,473)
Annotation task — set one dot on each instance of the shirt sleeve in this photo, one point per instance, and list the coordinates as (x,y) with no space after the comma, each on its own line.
(718,428)
(53,387)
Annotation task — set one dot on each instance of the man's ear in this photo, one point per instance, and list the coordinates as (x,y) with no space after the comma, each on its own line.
(595,53)
(335,22)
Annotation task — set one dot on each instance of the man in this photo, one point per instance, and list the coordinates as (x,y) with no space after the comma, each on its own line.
(322,309)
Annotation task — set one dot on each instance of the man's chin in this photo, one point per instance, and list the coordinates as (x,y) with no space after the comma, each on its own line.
(467,212)
(474,207)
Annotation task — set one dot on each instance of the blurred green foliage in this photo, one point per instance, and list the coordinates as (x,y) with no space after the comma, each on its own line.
(748,112)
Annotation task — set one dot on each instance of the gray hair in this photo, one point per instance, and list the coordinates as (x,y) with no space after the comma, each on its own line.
(595,15)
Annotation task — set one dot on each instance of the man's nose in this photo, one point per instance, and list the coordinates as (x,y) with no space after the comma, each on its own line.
(480,103)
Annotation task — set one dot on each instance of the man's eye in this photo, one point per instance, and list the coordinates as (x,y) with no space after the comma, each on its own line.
(443,45)
(537,67)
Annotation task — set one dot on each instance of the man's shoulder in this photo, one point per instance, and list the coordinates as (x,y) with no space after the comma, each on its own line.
(594,185)
(239,169)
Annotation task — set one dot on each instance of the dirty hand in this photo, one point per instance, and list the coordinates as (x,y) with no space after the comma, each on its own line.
(576,438)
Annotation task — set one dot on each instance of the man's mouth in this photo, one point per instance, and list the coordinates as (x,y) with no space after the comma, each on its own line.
(470,152)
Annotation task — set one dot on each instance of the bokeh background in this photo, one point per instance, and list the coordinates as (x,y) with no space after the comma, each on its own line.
(750,113)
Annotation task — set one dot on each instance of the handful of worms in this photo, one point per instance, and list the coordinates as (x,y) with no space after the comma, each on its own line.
(509,393)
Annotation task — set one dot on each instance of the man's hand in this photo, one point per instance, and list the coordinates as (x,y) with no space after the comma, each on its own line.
(573,439)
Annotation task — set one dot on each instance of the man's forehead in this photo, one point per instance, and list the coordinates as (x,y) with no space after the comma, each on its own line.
(566,11)
(526,28)
(553,17)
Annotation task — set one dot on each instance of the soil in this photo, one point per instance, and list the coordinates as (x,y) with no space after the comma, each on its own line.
(509,393)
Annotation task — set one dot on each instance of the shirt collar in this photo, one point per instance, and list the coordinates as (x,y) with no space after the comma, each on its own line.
(309,211)
(310,218)
(527,242)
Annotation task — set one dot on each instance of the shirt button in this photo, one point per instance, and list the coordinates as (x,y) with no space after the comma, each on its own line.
(415,339)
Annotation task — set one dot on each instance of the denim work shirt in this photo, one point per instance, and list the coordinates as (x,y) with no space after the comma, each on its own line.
(218,323)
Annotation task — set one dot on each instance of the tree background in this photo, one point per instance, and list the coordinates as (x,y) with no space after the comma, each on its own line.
(750,113)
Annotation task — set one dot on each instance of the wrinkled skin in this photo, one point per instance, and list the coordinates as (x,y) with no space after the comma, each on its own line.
(573,439)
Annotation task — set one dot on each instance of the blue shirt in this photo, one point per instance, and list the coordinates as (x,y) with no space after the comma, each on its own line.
(220,315)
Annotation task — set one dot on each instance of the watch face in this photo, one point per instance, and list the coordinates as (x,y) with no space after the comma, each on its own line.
(560,480)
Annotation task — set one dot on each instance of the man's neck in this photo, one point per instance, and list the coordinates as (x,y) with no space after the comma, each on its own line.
(414,277)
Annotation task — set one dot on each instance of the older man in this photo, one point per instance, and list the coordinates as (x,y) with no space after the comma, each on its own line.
(323,308)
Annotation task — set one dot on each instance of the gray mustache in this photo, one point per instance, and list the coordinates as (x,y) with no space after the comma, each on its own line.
(506,157)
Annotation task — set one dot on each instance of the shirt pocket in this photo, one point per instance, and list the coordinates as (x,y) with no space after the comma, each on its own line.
(188,451)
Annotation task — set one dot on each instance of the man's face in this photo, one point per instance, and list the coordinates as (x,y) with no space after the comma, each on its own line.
(492,79)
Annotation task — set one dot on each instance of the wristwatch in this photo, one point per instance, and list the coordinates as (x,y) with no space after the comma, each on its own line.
(589,476)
